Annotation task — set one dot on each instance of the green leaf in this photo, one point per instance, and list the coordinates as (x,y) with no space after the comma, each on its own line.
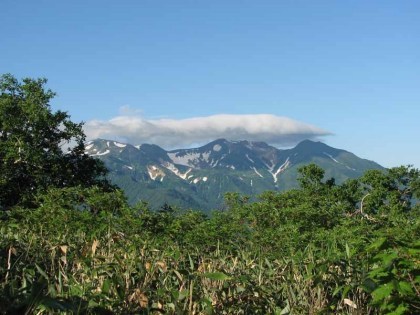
(179,276)
(218,276)
(76,290)
(106,286)
(377,244)
(337,290)
(379,273)
(346,290)
(55,304)
(348,251)
(42,272)
(285,310)
(405,288)
(369,285)
(414,251)
(382,292)
(400,310)
(387,258)
(191,262)
(92,304)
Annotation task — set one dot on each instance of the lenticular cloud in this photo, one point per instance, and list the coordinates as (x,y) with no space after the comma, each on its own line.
(175,133)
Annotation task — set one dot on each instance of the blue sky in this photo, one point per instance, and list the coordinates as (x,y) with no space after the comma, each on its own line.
(351,68)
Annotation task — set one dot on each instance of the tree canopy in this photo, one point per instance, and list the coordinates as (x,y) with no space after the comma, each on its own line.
(32,144)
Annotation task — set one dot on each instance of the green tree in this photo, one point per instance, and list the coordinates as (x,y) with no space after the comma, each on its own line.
(32,138)
(310,176)
(391,192)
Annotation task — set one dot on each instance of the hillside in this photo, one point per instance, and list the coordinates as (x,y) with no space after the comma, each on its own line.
(199,177)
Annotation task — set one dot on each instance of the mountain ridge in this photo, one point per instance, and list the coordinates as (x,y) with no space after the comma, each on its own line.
(199,177)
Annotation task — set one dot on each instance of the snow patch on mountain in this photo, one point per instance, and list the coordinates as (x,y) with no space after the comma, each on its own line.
(270,167)
(249,159)
(186,159)
(214,163)
(120,145)
(331,157)
(198,179)
(190,159)
(258,173)
(217,147)
(279,170)
(205,156)
(336,161)
(176,171)
(101,153)
(155,172)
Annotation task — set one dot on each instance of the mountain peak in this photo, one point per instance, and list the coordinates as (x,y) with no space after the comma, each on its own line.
(312,145)
(201,176)
(309,148)
(308,142)
(218,141)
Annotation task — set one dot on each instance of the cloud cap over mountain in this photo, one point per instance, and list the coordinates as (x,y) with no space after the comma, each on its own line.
(171,133)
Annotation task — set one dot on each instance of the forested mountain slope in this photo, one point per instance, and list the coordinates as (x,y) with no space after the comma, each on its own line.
(199,177)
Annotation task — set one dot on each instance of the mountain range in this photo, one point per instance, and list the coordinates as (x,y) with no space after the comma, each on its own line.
(198,178)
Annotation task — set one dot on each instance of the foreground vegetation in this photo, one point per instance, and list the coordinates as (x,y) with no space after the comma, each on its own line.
(307,251)
(70,243)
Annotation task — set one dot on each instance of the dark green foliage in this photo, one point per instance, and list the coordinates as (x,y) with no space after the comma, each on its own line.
(310,177)
(394,277)
(31,145)
(311,250)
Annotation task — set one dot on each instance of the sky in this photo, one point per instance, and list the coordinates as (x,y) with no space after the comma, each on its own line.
(178,73)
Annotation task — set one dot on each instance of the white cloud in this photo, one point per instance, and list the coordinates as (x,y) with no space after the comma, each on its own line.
(176,133)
